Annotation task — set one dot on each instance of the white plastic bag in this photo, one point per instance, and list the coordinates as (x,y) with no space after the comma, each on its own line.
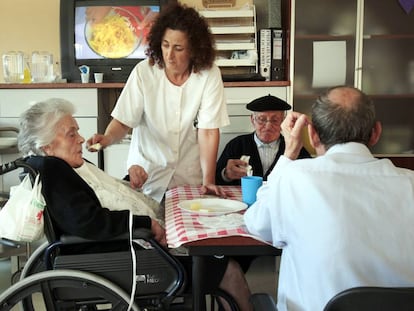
(21,218)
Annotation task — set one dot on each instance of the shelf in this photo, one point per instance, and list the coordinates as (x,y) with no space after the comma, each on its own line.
(389,37)
(236,46)
(324,37)
(105,85)
(223,13)
(232,30)
(234,62)
(257,84)
(120,85)
(373,96)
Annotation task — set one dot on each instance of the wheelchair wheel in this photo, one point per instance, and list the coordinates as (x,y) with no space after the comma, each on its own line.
(35,263)
(65,290)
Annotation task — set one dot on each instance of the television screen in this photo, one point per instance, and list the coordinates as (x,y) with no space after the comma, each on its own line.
(112,31)
(109,36)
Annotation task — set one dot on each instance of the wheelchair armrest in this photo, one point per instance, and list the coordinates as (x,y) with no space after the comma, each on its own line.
(142,233)
(139,233)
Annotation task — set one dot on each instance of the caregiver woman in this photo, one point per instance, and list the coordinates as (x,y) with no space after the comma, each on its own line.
(174,102)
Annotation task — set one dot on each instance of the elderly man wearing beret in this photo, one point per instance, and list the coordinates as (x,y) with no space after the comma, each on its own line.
(263,147)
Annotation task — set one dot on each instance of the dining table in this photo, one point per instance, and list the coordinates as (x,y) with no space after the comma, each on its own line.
(202,233)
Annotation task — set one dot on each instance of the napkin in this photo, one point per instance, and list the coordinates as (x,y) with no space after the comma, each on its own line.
(223,221)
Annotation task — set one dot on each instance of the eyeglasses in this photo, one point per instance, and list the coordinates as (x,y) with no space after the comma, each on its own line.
(263,121)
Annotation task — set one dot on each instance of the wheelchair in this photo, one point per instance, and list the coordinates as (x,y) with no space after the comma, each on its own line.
(68,273)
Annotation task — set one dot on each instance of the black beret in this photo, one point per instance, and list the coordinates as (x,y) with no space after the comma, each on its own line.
(268,102)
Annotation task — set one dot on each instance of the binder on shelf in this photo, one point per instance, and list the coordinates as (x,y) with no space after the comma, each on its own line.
(271,54)
(278,56)
(265,46)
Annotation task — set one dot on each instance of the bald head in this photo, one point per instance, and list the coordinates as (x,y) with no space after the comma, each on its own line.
(343,114)
(344,96)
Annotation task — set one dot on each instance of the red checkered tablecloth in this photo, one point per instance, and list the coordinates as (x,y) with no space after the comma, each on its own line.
(183,227)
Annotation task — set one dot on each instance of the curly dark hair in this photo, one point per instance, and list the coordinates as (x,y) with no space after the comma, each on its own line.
(177,16)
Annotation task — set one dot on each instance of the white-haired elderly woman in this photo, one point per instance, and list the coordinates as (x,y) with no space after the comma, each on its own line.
(82,200)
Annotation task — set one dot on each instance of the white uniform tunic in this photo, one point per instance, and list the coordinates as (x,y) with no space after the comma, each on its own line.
(163,117)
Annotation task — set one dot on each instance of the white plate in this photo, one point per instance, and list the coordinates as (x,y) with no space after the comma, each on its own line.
(212,207)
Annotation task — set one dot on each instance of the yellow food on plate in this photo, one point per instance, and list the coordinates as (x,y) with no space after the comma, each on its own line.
(195,206)
(114,37)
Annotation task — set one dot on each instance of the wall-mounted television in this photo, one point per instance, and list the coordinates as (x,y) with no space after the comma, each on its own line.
(109,36)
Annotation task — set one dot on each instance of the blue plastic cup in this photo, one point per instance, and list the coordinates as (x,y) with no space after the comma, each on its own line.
(249,187)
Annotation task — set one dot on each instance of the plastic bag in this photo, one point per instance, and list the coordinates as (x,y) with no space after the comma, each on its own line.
(21,218)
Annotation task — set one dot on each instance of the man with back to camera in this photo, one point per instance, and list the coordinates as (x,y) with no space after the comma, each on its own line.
(344,218)
(264,146)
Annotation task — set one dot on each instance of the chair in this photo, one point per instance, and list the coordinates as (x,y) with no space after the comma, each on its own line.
(373,298)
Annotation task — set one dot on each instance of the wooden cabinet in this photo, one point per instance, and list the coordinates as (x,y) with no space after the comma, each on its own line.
(376,44)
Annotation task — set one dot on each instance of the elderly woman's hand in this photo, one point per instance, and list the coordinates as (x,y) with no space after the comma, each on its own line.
(292,127)
(159,232)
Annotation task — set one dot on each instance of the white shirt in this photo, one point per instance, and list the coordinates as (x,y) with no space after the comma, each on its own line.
(163,115)
(344,219)
(267,152)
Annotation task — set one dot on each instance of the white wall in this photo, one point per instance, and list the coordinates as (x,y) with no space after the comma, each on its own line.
(28,25)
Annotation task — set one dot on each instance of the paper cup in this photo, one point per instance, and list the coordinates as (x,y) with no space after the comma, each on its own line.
(85,77)
(98,77)
(249,187)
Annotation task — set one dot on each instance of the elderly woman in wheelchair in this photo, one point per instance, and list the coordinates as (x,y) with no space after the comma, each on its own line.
(88,257)
(49,136)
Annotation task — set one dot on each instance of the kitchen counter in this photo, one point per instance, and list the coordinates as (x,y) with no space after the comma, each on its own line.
(117,85)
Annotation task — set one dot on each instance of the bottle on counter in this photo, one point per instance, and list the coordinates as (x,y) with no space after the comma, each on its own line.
(27,76)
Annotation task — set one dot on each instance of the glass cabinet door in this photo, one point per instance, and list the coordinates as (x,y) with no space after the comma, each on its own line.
(388,72)
(324,48)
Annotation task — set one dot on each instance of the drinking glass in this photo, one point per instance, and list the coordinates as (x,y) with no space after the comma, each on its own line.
(13,66)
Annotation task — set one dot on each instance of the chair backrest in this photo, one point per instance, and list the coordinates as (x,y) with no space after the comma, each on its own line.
(373,298)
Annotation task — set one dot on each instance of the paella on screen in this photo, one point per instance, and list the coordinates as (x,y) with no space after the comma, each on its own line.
(112,32)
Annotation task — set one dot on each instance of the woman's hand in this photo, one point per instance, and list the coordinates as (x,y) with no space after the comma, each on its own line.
(98,142)
(213,189)
(137,176)
(159,232)
(114,132)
